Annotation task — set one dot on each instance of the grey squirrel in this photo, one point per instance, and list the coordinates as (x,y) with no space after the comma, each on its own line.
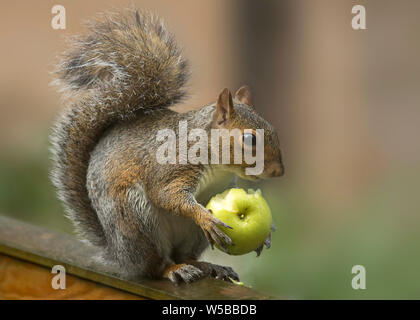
(119,81)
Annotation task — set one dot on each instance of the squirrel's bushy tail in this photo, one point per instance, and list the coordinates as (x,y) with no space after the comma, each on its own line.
(126,63)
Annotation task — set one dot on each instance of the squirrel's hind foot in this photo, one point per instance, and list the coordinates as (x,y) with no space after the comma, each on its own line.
(195,270)
(216,271)
(183,272)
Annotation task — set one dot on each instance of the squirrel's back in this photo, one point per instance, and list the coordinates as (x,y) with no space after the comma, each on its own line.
(126,63)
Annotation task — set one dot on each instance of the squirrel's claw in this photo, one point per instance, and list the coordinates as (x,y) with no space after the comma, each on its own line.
(209,239)
(267,243)
(216,271)
(223,236)
(213,233)
(273,227)
(220,238)
(219,222)
(185,274)
(259,250)
(224,273)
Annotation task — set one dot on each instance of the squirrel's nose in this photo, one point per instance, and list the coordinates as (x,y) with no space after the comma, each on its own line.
(276,169)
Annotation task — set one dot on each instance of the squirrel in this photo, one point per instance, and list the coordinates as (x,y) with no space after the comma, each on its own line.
(119,81)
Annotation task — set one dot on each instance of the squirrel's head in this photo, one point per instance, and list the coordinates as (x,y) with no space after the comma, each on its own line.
(250,135)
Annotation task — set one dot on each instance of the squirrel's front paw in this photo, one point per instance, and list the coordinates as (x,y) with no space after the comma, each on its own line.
(209,224)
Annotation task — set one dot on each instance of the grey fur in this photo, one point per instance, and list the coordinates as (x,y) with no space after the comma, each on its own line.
(175,238)
(125,63)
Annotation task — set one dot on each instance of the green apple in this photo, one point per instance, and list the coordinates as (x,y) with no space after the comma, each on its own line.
(247,213)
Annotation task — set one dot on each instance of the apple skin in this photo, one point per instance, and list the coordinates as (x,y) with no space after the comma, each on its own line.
(247,213)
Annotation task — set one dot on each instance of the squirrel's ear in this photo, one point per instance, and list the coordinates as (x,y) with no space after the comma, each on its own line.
(224,106)
(244,95)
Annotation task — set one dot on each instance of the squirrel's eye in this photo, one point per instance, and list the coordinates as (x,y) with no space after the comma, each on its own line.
(249,139)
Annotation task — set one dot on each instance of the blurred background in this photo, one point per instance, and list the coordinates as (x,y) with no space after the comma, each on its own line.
(345,104)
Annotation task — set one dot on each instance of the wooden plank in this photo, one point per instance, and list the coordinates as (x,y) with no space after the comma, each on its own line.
(48,248)
(21,280)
